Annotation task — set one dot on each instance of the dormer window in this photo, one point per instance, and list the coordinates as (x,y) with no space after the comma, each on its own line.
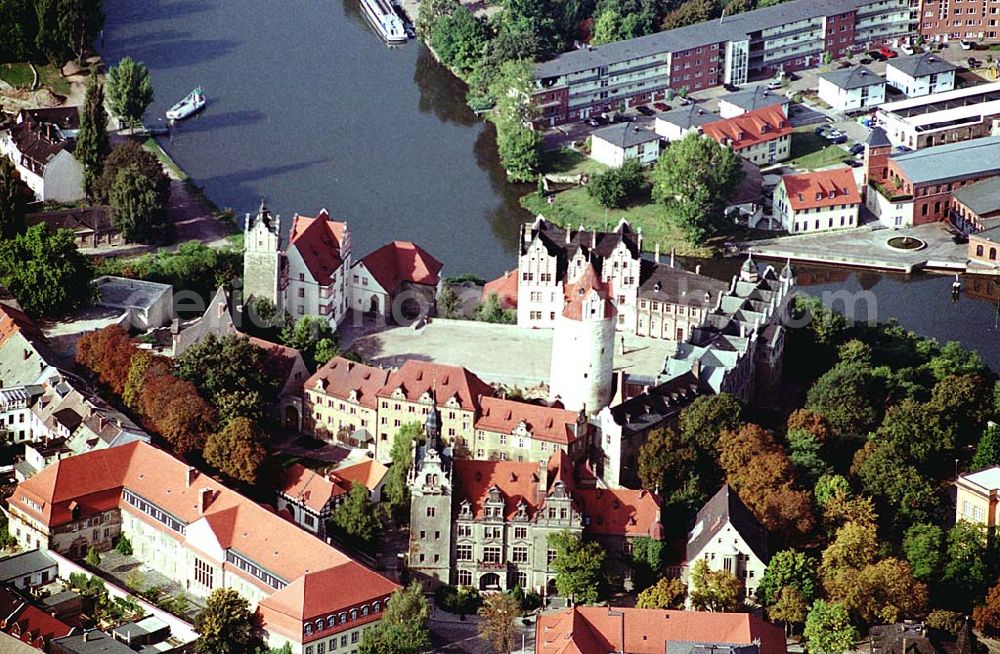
(833,194)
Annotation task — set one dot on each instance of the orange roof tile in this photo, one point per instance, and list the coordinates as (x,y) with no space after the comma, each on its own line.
(751,128)
(318,241)
(546,423)
(309,596)
(309,487)
(577,293)
(823,188)
(620,511)
(419,377)
(369,473)
(340,376)
(598,629)
(505,286)
(518,481)
(402,261)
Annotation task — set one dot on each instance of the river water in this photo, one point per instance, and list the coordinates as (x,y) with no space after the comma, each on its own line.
(309,109)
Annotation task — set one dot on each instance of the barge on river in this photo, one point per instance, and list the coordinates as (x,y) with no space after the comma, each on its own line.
(382,16)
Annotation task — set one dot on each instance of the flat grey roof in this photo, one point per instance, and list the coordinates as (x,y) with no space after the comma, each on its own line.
(729,28)
(919,65)
(757,97)
(853,78)
(23,564)
(993,236)
(626,135)
(124,293)
(981,197)
(689,116)
(97,642)
(954,160)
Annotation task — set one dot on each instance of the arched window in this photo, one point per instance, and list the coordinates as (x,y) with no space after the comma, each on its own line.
(364,610)
(979,250)
(464,578)
(376,607)
(354,614)
(343,618)
(309,628)
(331,620)
(319,625)
(993,254)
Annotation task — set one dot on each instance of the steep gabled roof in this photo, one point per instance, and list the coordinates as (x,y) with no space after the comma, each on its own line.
(505,286)
(327,590)
(750,128)
(822,188)
(369,473)
(340,376)
(581,293)
(318,241)
(517,482)
(551,424)
(417,378)
(402,261)
(726,507)
(620,511)
(309,487)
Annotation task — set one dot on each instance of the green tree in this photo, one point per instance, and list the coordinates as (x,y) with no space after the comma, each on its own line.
(704,420)
(314,338)
(429,13)
(881,592)
(843,396)
(49,40)
(239,450)
(45,271)
(397,493)
(693,178)
(132,154)
(664,594)
(448,302)
(93,557)
(460,39)
(714,590)
(92,143)
(971,560)
(225,625)
(689,13)
(646,561)
(13,196)
(403,627)
(988,449)
(789,607)
(520,150)
(130,90)
(80,21)
(492,311)
(854,547)
(614,187)
(124,546)
(608,27)
(357,518)
(828,629)
(955,359)
(788,569)
(497,621)
(579,567)
(901,492)
(924,549)
(18,30)
(138,212)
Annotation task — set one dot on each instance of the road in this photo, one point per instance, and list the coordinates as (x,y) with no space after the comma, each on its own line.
(453,637)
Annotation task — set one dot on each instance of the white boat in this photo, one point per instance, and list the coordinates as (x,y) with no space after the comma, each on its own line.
(192,103)
(382,16)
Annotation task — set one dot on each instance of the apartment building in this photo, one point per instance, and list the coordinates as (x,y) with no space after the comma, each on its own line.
(949,20)
(940,118)
(978,497)
(615,144)
(921,74)
(762,136)
(852,89)
(339,404)
(824,200)
(751,99)
(202,535)
(509,430)
(748,46)
(976,207)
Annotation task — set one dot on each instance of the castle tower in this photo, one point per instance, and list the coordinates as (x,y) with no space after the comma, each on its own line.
(877,151)
(262,257)
(748,271)
(582,369)
(430,508)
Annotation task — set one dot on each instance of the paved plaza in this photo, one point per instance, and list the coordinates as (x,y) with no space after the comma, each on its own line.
(504,354)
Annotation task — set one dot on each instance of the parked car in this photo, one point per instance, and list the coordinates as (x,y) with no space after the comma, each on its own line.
(661,106)
(973,62)
(732,88)
(594,122)
(645,111)
(836,137)
(853,163)
(907,49)
(888,52)
(774,85)
(857,148)
(965,45)
(683,102)
(819,130)
(877,55)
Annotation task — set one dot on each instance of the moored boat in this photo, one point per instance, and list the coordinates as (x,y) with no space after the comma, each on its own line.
(383,18)
(192,103)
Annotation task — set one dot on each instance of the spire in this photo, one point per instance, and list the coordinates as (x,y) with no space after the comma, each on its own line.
(788,273)
(748,271)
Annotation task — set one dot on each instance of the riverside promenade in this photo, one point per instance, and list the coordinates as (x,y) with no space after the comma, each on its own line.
(865,247)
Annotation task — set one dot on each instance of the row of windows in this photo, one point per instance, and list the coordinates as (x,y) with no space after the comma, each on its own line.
(246,565)
(332,620)
(321,647)
(155,512)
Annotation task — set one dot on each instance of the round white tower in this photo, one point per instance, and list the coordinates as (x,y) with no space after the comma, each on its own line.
(582,371)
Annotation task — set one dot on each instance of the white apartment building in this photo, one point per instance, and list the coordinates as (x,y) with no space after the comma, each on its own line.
(852,89)
(615,144)
(921,74)
(824,200)
(940,118)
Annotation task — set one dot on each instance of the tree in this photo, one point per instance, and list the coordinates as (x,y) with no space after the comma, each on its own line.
(704,420)
(403,627)
(449,302)
(124,546)
(357,518)
(520,150)
(498,613)
(988,449)
(238,450)
(13,199)
(396,492)
(93,557)
(429,13)
(842,396)
(714,590)
(955,359)
(579,567)
(492,310)
(788,569)
(614,187)
(92,144)
(139,370)
(970,567)
(44,271)
(107,353)
(677,468)
(664,594)
(176,411)
(130,90)
(881,592)
(828,629)
(49,40)
(80,21)
(132,154)
(902,493)
(924,549)
(18,29)
(608,27)
(225,625)
(789,607)
(854,547)
(987,615)
(693,178)
(646,561)
(459,38)
(137,209)
(313,337)
(689,13)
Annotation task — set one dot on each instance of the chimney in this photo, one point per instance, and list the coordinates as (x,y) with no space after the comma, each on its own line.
(696,367)
(192,474)
(204,499)
(593,240)
(86,636)
(569,234)
(657,255)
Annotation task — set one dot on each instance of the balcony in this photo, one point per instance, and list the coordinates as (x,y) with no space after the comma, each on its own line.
(484,566)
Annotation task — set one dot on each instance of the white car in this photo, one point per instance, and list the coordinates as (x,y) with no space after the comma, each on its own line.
(774,85)
(906,48)
(965,45)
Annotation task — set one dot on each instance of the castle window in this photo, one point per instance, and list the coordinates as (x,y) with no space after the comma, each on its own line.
(491,555)
(520,554)
(463,553)
(203,573)
(520,533)
(430,510)
(464,578)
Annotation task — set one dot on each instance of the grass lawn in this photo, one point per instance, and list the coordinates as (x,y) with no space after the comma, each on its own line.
(154,147)
(575,207)
(19,75)
(569,162)
(810,151)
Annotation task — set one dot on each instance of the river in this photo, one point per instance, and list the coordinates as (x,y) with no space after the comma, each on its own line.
(309,109)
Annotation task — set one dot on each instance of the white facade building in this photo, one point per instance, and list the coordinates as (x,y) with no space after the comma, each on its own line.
(824,200)
(921,74)
(675,125)
(44,161)
(852,89)
(940,118)
(613,145)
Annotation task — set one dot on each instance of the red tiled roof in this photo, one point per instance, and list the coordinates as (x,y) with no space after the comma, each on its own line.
(546,423)
(309,487)
(517,481)
(597,630)
(505,286)
(340,376)
(579,292)
(27,622)
(419,377)
(369,473)
(745,130)
(318,241)
(823,188)
(620,511)
(281,363)
(13,320)
(402,261)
